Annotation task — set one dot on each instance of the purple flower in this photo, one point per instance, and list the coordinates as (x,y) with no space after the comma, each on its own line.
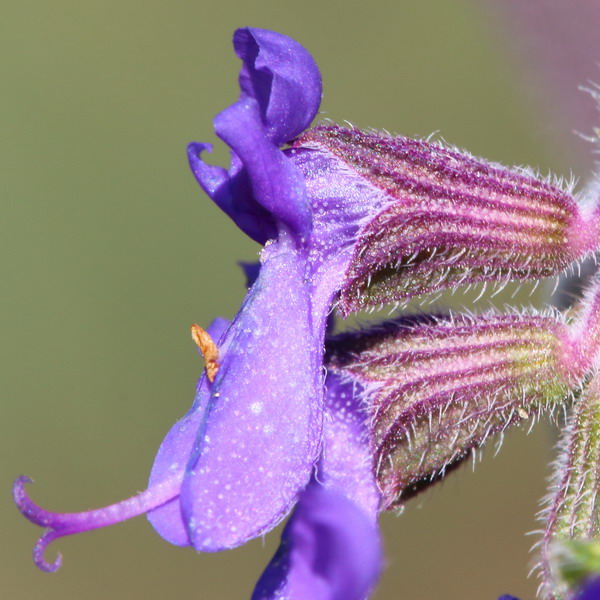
(346,218)
(262,417)
(590,589)
(254,438)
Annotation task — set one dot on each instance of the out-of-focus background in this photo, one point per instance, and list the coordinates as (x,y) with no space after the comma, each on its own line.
(109,251)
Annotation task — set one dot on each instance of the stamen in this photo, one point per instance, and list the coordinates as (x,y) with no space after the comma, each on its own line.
(61,524)
(209,351)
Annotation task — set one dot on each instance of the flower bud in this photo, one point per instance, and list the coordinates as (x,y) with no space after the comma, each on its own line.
(436,388)
(441,218)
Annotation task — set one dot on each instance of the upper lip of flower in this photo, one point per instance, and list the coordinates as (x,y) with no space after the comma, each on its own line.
(280,95)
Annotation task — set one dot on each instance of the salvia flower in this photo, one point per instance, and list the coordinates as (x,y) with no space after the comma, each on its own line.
(353,220)
(233,467)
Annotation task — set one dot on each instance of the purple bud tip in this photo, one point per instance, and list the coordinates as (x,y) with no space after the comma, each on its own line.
(581,344)
(449,219)
(61,524)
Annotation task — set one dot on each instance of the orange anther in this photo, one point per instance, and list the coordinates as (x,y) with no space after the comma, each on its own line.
(209,351)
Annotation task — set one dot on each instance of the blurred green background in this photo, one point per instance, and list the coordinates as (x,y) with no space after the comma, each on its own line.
(110,251)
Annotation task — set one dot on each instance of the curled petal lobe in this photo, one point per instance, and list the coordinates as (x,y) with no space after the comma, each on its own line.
(231,191)
(280,95)
(172,455)
(330,550)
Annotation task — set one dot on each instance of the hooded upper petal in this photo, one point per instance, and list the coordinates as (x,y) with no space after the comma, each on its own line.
(282,77)
(280,95)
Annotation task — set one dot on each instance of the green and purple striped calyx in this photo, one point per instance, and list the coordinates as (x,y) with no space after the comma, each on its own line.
(572,513)
(447,219)
(438,387)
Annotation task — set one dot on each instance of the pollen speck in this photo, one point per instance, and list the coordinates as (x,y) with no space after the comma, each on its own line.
(209,351)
